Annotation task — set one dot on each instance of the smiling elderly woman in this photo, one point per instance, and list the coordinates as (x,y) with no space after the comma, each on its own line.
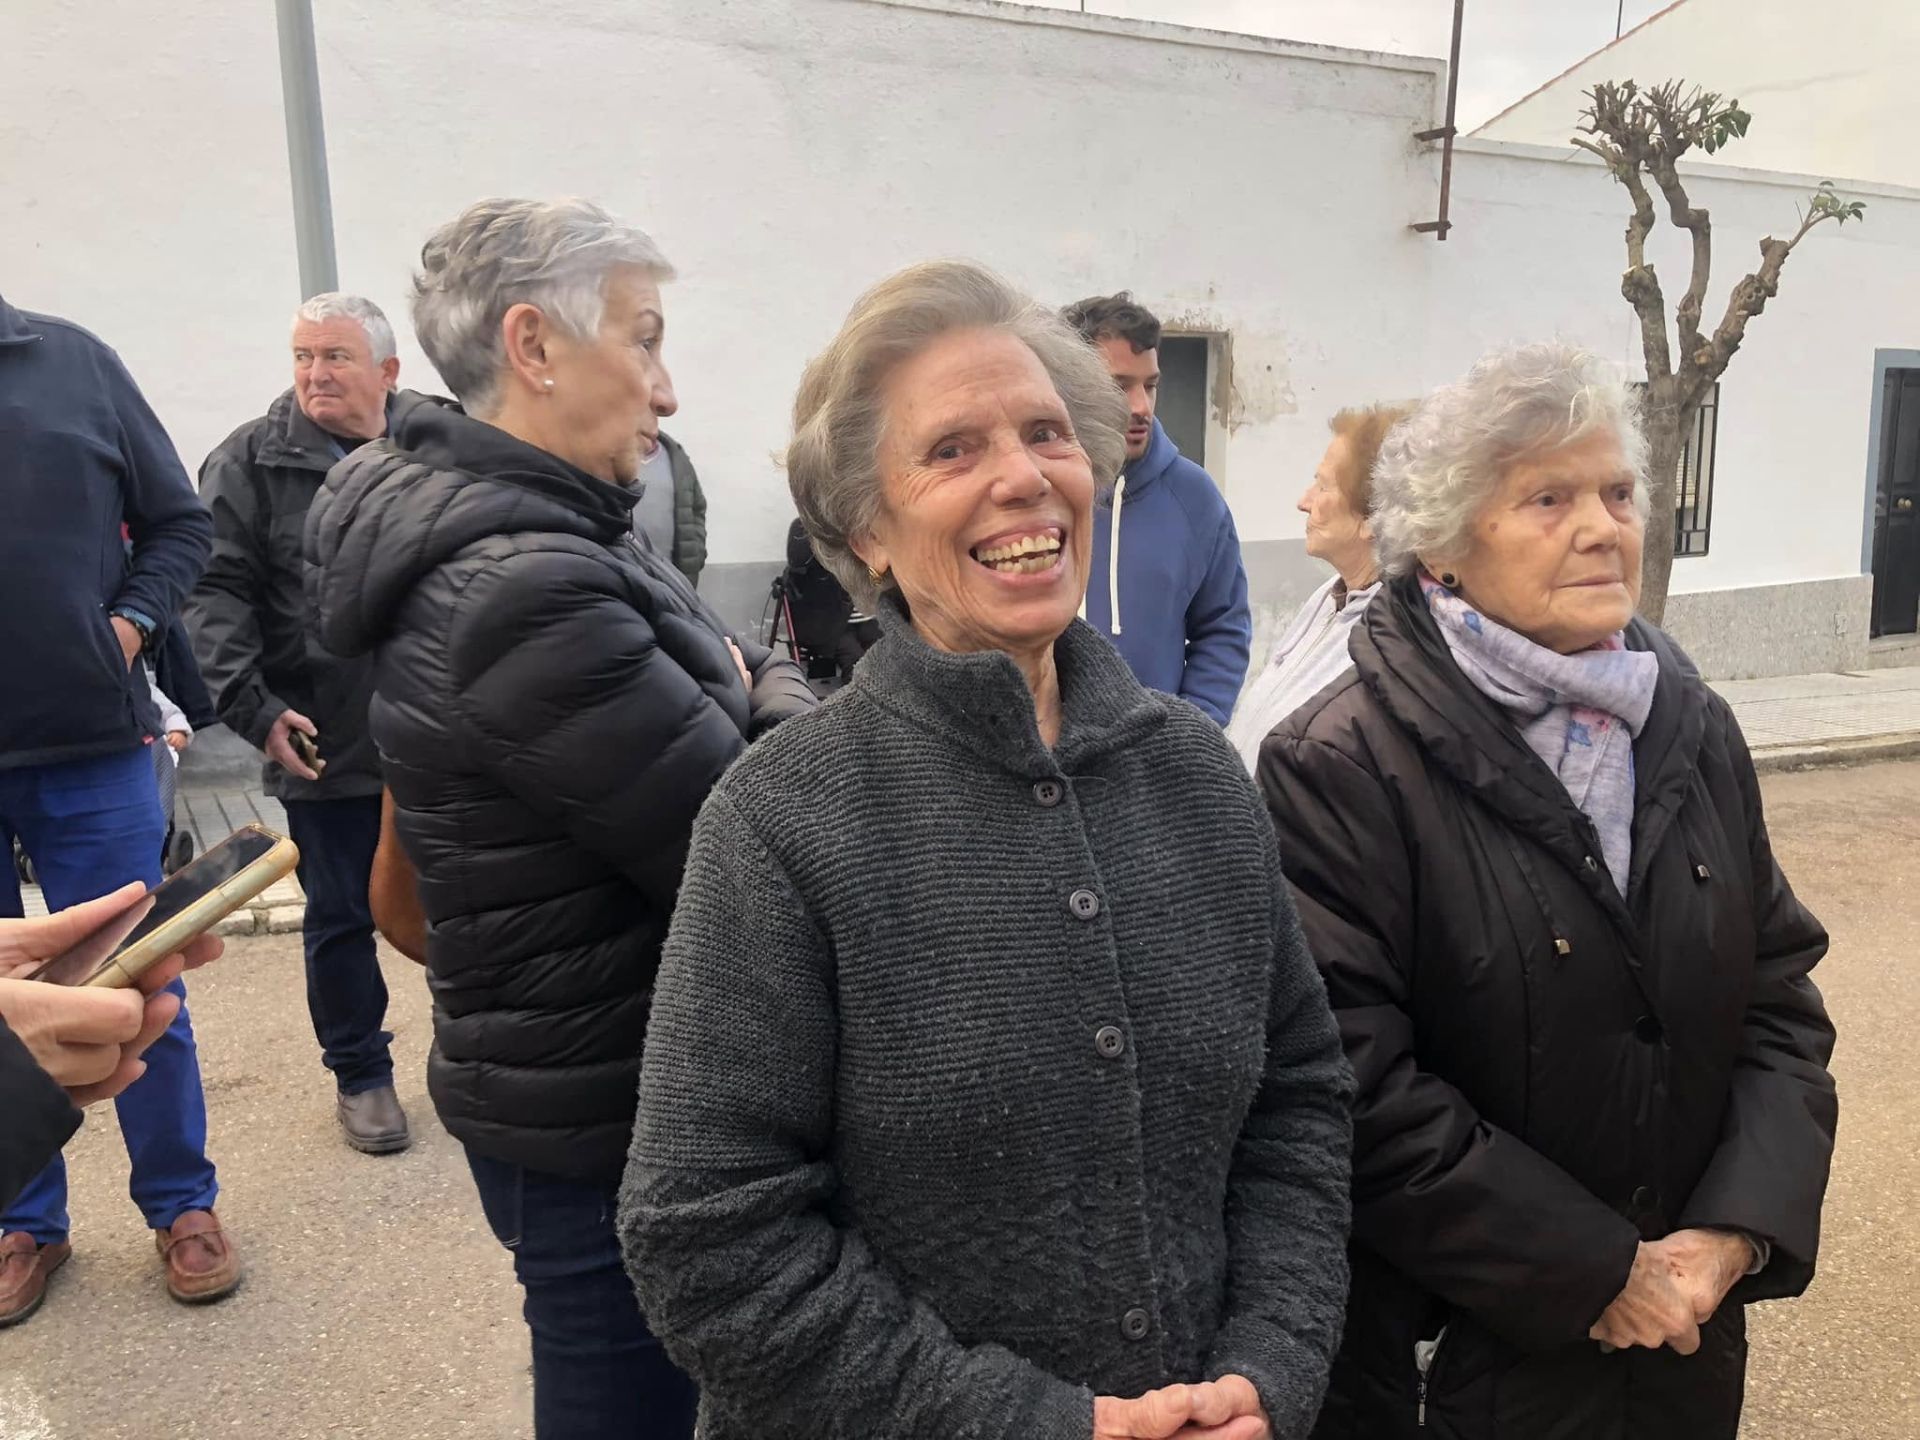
(1594,1109)
(989,1090)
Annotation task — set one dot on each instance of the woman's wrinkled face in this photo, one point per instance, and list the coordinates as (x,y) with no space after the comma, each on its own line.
(611,391)
(1336,533)
(987,498)
(1555,554)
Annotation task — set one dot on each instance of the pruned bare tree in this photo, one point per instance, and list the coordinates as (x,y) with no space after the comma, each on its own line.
(1642,135)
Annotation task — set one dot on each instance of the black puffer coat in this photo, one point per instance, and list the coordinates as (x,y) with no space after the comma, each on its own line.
(552,705)
(1547,1074)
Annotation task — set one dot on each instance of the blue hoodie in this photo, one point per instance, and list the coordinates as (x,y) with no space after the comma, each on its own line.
(1176,606)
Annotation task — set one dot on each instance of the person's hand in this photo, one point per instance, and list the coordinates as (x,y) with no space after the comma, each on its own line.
(1705,1265)
(280,749)
(1652,1310)
(1223,1409)
(129,636)
(739,660)
(89,1040)
(178,739)
(25,943)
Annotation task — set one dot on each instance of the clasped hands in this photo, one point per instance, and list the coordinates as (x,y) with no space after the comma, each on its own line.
(1674,1288)
(1224,1409)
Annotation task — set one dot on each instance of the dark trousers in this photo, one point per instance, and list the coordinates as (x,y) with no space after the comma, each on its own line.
(598,1373)
(91,826)
(346,994)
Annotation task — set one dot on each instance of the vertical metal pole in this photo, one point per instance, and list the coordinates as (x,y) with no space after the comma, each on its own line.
(306,148)
(1453,96)
(1445,133)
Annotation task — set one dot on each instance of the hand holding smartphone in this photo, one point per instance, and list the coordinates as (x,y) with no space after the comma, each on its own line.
(182,907)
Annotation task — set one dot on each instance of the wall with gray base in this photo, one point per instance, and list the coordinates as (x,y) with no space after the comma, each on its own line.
(1763,630)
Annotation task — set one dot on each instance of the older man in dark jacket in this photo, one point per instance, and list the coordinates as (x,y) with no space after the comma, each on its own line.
(81,455)
(280,691)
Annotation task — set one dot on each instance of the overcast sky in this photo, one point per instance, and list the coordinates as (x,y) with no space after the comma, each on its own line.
(1509,46)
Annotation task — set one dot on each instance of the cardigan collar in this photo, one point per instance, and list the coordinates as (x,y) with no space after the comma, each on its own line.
(981,702)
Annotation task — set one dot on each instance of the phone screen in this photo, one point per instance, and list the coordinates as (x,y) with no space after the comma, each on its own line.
(162,904)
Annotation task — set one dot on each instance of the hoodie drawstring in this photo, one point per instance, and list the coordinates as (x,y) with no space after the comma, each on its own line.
(1113,557)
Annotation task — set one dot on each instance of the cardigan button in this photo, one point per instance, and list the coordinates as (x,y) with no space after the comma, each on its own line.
(1591,863)
(1049,792)
(1109,1042)
(1648,1030)
(1645,1198)
(1084,904)
(1135,1324)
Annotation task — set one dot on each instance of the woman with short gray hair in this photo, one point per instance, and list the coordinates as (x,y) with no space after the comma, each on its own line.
(552,704)
(989,1090)
(1594,1116)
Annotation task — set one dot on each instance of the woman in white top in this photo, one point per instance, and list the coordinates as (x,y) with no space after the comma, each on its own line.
(1312,651)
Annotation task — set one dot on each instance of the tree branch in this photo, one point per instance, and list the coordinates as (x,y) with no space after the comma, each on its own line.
(1749,298)
(1687,216)
(1640,285)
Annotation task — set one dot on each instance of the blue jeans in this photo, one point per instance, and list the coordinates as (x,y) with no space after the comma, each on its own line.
(91,826)
(346,994)
(598,1373)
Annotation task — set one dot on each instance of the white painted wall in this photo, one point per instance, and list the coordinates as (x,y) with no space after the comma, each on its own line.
(1830,85)
(1540,249)
(790,152)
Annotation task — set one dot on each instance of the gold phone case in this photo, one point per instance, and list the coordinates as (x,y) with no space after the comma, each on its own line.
(127,967)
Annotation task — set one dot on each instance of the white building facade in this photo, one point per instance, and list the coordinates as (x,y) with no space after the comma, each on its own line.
(788,153)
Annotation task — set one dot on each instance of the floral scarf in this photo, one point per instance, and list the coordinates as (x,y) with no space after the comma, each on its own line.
(1579,713)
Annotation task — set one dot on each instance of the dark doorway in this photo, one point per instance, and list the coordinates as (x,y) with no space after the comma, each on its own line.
(1896,509)
(1184,378)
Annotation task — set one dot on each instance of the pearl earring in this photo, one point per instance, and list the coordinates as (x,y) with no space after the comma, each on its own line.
(549,384)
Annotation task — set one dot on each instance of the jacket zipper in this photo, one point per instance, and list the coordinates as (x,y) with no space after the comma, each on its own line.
(1424,1354)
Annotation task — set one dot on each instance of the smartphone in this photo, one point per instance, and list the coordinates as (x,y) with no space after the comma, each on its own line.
(307,747)
(183,905)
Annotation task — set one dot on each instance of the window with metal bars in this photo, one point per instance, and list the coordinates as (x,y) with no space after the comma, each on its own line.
(1693,486)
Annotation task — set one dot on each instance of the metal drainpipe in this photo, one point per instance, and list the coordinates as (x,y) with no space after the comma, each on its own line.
(1439,228)
(306,148)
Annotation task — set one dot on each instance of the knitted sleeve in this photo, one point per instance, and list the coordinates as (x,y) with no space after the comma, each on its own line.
(787,1320)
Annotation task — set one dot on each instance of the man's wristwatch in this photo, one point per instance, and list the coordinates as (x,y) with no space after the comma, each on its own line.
(140,622)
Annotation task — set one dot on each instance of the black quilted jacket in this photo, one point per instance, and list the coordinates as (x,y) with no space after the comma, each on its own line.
(552,705)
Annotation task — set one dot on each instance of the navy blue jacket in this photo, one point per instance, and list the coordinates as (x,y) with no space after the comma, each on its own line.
(81,454)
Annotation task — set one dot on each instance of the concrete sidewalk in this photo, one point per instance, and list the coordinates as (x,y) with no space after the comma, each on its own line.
(1799,722)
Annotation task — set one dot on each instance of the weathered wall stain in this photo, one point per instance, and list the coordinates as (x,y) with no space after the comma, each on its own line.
(1253,379)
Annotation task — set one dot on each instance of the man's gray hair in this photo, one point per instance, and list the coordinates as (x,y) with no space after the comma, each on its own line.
(555,255)
(1440,466)
(833,460)
(338,305)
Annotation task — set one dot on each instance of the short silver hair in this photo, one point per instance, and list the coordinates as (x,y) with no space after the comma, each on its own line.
(833,460)
(555,255)
(338,305)
(1441,465)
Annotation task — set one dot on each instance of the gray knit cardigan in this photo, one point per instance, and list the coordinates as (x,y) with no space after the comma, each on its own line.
(981,1077)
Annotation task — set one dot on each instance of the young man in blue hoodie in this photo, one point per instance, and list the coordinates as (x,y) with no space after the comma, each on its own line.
(1168,588)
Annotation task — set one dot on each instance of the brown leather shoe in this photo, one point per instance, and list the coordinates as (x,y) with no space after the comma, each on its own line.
(25,1265)
(200,1262)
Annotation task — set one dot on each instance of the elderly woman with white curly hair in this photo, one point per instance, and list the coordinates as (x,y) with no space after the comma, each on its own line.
(1594,1115)
(552,703)
(989,1090)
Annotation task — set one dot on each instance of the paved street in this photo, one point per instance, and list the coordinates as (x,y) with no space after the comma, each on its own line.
(378,1305)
